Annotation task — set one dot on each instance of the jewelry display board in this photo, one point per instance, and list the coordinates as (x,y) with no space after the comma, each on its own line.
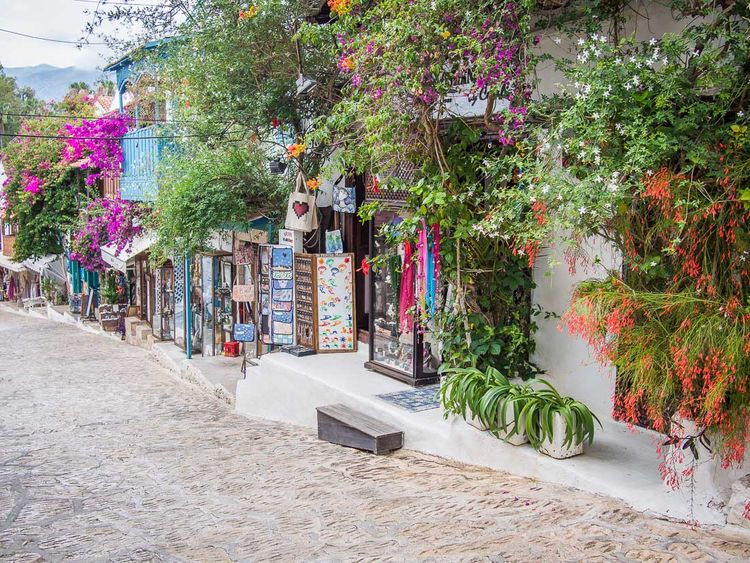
(337,331)
(264,293)
(305,302)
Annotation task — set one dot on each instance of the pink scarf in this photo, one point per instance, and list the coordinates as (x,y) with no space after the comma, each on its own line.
(407,300)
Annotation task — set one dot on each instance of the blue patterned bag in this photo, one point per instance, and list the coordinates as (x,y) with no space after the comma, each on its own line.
(244,332)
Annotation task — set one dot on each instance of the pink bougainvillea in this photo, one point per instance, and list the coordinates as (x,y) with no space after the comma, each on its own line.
(31,183)
(112,222)
(97,141)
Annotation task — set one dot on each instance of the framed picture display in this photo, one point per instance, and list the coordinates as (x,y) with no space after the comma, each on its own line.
(336,319)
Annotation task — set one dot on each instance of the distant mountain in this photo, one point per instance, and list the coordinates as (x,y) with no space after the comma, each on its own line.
(51,82)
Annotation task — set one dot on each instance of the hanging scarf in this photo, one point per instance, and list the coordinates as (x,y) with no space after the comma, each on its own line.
(407,301)
(436,250)
(422,273)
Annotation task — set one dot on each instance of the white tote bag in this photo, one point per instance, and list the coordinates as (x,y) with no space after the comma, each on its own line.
(300,211)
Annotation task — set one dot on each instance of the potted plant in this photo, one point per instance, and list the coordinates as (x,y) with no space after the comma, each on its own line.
(461,392)
(504,407)
(557,426)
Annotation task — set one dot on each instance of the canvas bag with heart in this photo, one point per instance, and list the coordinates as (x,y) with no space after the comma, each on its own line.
(300,212)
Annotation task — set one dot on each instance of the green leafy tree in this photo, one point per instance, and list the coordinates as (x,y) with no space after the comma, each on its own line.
(14,102)
(205,187)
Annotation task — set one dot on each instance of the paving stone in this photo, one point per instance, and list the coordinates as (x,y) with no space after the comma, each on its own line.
(105,456)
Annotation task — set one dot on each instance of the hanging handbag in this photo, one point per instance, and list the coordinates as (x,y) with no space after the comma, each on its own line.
(345,199)
(244,332)
(334,242)
(300,212)
(243,293)
(324,195)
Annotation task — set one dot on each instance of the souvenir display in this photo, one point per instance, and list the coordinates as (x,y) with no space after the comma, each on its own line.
(244,332)
(304,282)
(334,242)
(335,302)
(282,296)
(398,346)
(345,199)
(301,211)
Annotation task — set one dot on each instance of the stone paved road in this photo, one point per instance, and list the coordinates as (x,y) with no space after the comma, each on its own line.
(105,456)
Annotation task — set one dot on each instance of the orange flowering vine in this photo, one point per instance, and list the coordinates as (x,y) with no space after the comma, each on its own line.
(295,150)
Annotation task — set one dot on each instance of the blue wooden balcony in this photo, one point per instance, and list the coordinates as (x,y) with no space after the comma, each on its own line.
(141,153)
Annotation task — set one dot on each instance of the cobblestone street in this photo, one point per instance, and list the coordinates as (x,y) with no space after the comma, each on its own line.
(106,456)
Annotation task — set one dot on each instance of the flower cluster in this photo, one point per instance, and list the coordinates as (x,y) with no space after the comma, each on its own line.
(97,143)
(105,222)
(295,150)
(250,13)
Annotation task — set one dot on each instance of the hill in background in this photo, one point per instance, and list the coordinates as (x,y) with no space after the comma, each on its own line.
(50,82)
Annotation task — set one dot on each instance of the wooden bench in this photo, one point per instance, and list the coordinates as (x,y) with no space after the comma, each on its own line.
(344,426)
(33,302)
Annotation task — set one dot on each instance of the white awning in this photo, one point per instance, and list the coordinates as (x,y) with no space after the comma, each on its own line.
(126,258)
(40,264)
(9,264)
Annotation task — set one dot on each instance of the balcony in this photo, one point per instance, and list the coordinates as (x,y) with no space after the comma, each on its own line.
(141,153)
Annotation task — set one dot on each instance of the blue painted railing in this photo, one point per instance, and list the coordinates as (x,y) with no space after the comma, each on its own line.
(141,153)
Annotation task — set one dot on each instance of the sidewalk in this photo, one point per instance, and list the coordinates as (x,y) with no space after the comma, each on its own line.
(621,463)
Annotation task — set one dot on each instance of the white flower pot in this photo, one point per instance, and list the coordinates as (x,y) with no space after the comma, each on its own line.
(475,421)
(554,448)
(519,437)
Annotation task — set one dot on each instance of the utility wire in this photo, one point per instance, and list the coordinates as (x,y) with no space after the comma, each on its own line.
(111,3)
(79,43)
(70,138)
(144,120)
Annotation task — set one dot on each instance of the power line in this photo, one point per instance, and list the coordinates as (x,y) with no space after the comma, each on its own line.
(79,43)
(111,3)
(144,120)
(70,138)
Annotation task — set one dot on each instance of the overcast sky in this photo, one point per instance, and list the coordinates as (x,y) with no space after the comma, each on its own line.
(57,19)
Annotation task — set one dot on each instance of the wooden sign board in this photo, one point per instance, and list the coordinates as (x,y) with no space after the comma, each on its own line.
(254,235)
(337,331)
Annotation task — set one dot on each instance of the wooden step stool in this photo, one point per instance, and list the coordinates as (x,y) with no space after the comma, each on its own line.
(344,426)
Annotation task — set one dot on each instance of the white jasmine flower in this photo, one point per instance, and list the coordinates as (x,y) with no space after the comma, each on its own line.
(582,209)
(583,57)
(665,61)
(581,42)
(652,41)
(618,60)
(653,263)
(532,199)
(649,172)
(595,115)
(632,59)
(740,114)
(620,128)
(603,38)
(557,40)
(545,189)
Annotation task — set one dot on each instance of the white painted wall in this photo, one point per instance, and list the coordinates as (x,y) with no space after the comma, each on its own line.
(567,359)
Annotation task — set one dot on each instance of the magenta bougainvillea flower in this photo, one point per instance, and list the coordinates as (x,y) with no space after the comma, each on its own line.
(97,141)
(106,222)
